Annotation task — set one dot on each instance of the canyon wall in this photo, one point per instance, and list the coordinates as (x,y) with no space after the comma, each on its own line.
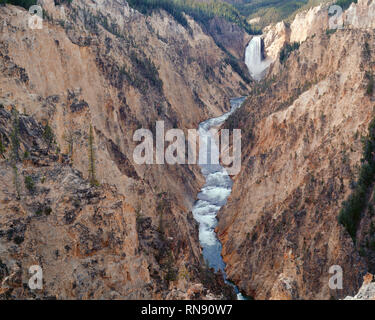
(102,65)
(317,20)
(309,22)
(301,129)
(360,15)
(275,36)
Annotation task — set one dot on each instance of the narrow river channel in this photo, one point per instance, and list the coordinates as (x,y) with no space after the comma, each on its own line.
(213,195)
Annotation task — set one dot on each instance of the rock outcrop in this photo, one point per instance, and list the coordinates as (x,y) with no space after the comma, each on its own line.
(360,15)
(306,24)
(84,238)
(309,22)
(275,36)
(367,291)
(317,20)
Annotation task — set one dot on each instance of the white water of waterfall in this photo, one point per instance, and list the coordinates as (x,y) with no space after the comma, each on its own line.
(254,60)
(213,195)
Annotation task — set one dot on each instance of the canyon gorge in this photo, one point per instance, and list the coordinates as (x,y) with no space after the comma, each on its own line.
(74,202)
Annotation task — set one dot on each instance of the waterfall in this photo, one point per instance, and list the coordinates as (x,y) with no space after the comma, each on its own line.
(254,59)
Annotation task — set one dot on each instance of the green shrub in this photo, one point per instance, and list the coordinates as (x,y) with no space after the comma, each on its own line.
(15,143)
(350,214)
(370,84)
(48,136)
(29,183)
(92,159)
(372,245)
(47,211)
(147,69)
(232,61)
(22,3)
(287,49)
(16,182)
(330,31)
(2,147)
(371,210)
(43,210)
(59,2)
(367,50)
(345,4)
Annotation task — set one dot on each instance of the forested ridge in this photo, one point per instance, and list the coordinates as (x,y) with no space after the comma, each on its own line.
(239,12)
(272,11)
(201,11)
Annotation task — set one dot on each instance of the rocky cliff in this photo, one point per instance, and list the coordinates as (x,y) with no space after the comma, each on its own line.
(301,129)
(360,15)
(96,72)
(367,290)
(317,20)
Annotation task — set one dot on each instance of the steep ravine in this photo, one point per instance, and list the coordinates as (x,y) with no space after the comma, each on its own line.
(213,194)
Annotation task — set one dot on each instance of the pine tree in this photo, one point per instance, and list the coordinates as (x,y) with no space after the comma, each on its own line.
(14,137)
(22,3)
(2,148)
(15,143)
(91,152)
(70,140)
(48,136)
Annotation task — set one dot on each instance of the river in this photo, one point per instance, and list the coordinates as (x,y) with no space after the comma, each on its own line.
(213,195)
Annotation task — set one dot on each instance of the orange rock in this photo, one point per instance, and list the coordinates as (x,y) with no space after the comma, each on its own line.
(367,278)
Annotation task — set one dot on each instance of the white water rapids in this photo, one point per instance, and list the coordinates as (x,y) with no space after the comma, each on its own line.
(218,186)
(254,59)
(213,195)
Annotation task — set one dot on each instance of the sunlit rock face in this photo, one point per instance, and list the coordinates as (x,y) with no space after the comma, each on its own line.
(367,291)
(275,36)
(307,23)
(80,71)
(315,21)
(360,15)
(280,221)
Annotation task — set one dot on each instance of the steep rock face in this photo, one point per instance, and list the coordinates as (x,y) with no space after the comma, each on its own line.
(309,22)
(360,15)
(103,64)
(275,36)
(230,36)
(315,21)
(84,238)
(301,135)
(306,24)
(367,291)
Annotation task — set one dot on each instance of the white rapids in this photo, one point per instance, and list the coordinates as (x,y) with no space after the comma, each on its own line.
(213,195)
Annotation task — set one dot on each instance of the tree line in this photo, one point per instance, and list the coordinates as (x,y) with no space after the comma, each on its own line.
(201,11)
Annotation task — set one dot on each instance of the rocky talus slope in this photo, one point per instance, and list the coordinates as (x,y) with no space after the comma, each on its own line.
(301,130)
(367,291)
(103,65)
